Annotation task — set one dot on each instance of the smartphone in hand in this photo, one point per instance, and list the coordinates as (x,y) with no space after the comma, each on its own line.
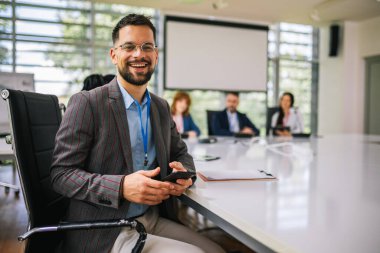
(178,175)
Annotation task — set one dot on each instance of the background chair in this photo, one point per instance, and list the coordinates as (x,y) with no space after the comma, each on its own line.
(210,119)
(35,119)
(62,107)
(6,154)
(270,112)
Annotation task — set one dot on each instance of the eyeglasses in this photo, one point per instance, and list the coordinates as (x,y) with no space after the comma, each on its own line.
(146,47)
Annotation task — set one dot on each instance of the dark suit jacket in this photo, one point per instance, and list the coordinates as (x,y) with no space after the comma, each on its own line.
(189,125)
(221,125)
(93,152)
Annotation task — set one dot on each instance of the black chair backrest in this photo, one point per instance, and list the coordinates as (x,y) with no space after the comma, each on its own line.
(35,119)
(210,119)
(270,112)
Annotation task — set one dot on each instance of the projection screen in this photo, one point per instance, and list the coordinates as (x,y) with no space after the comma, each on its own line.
(214,55)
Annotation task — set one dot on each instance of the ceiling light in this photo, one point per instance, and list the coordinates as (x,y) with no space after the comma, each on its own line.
(314,15)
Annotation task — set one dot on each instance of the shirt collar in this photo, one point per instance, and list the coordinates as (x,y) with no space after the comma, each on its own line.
(230,114)
(128,99)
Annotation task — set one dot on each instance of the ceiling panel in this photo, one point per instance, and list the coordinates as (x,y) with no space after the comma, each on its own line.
(315,12)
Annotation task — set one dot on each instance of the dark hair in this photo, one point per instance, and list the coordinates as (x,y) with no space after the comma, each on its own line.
(132,19)
(179,96)
(108,78)
(282,114)
(235,93)
(93,81)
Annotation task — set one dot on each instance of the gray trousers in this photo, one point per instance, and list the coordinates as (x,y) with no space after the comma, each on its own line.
(164,236)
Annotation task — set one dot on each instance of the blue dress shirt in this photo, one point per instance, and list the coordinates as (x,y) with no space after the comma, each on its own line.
(137,144)
(233,121)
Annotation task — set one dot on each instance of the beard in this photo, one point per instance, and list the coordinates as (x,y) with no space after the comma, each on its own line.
(141,78)
(232,109)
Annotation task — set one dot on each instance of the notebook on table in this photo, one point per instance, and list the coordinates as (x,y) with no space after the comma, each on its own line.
(230,175)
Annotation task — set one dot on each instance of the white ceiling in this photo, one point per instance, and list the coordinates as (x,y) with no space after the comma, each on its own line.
(294,11)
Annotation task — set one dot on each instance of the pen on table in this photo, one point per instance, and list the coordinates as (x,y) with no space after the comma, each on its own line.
(266,173)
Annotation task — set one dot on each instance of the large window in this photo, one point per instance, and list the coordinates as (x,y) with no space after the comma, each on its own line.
(60,41)
(251,103)
(293,67)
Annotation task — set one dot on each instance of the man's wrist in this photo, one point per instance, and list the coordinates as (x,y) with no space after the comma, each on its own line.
(121,188)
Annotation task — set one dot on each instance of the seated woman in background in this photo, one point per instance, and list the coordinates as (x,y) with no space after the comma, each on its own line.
(288,120)
(181,116)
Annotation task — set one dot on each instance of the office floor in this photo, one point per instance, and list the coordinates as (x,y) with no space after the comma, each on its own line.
(13,220)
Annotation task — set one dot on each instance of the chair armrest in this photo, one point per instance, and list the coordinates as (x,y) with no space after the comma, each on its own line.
(65,226)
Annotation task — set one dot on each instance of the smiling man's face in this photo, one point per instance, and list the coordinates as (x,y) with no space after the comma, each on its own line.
(136,66)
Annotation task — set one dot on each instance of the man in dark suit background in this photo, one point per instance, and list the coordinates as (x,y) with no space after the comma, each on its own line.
(230,121)
(114,144)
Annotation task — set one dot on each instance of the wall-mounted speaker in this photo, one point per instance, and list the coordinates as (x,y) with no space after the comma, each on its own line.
(334,40)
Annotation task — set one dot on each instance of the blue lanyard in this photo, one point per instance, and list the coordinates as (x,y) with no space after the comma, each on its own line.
(143,132)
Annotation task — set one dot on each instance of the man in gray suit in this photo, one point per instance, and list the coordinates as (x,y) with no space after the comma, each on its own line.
(114,144)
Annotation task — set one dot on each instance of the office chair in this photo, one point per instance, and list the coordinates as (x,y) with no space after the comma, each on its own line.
(35,119)
(6,137)
(270,112)
(210,119)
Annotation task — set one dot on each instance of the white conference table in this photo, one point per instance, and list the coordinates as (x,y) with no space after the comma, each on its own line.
(326,198)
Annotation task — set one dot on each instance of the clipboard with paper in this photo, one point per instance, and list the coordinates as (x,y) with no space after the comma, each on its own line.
(233,175)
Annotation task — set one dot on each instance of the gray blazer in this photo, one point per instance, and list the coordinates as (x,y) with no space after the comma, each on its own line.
(93,152)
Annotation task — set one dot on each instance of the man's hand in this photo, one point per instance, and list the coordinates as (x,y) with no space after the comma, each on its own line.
(247,130)
(182,184)
(283,133)
(139,187)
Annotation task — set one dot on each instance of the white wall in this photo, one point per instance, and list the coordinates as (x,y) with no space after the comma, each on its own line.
(330,104)
(341,79)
